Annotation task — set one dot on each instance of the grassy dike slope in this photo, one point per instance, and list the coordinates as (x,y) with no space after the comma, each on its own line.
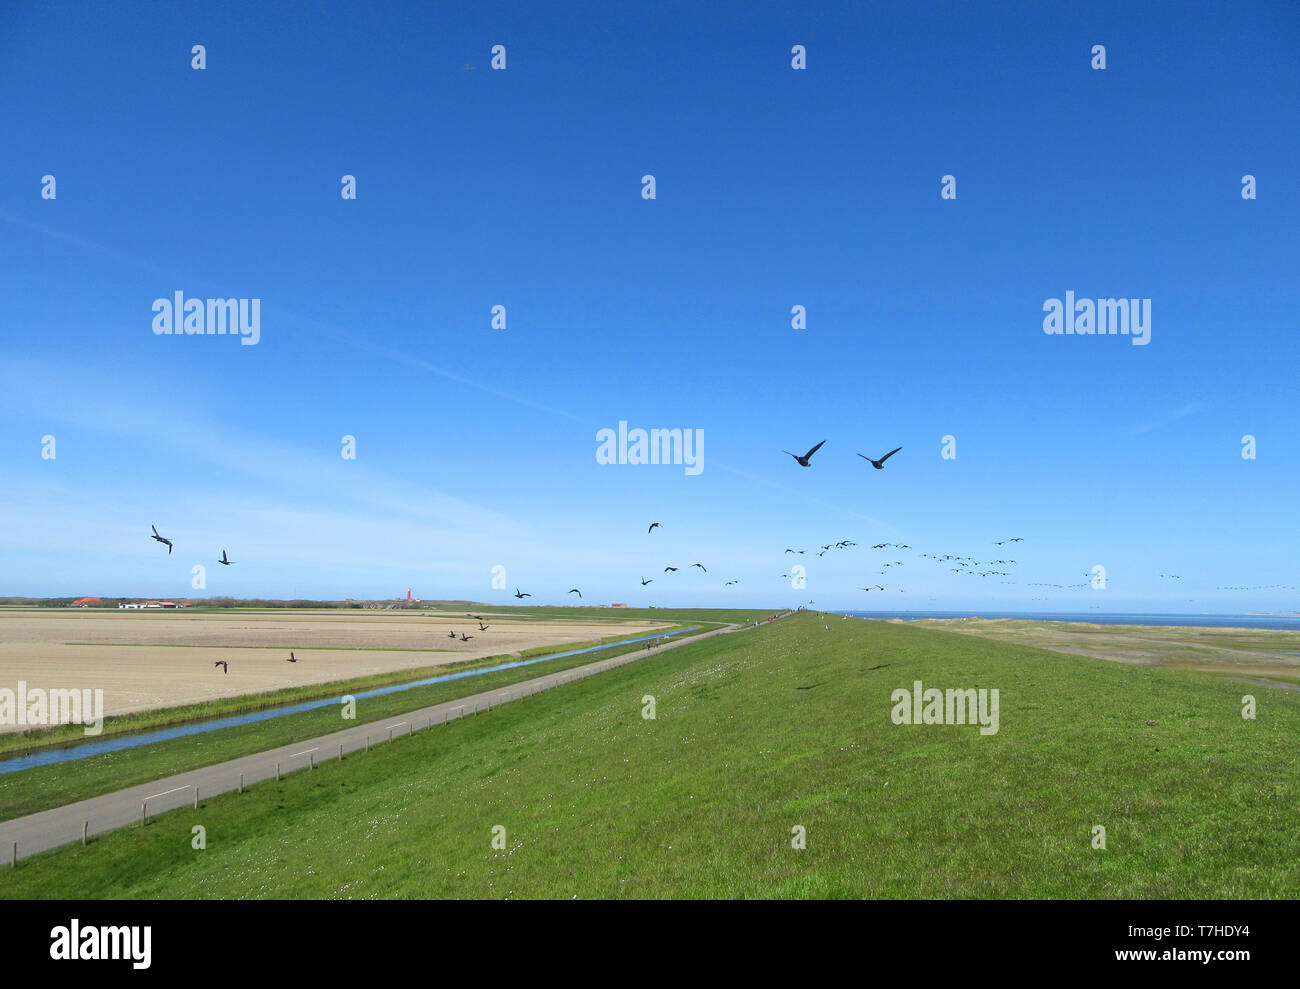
(757,732)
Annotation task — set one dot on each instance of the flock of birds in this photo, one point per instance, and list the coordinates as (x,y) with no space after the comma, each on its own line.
(225,663)
(804,460)
(224,561)
(965,565)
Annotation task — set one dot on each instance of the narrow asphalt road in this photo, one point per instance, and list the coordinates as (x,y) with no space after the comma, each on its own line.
(24,836)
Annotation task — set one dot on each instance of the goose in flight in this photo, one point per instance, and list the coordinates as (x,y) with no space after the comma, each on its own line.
(292,658)
(521,595)
(160,539)
(223,561)
(880,464)
(451,634)
(644,581)
(482,627)
(464,637)
(653,526)
(701,566)
(225,666)
(803,461)
(574,590)
(670,569)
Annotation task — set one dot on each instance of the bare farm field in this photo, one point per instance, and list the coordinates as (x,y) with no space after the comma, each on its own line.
(145,660)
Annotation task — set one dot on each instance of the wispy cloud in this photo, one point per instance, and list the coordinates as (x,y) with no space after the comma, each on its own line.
(1181,412)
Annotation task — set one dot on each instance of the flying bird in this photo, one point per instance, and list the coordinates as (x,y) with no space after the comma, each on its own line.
(482,627)
(644,581)
(451,634)
(519,594)
(701,566)
(160,539)
(223,561)
(653,526)
(292,658)
(880,464)
(803,461)
(225,666)
(667,569)
(574,590)
(464,637)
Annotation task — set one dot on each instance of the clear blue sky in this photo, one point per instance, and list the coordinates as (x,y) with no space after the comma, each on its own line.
(775,187)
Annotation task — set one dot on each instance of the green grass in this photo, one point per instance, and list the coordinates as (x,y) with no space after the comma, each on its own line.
(43,787)
(757,732)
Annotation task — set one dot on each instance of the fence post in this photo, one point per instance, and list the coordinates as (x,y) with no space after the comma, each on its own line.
(277,772)
(367,743)
(15,858)
(241,782)
(142,811)
(196,796)
(312,756)
(340,751)
(85,828)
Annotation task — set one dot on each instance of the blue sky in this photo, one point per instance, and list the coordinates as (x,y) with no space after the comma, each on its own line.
(775,187)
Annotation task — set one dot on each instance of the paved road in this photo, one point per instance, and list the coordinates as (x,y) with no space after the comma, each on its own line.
(62,825)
